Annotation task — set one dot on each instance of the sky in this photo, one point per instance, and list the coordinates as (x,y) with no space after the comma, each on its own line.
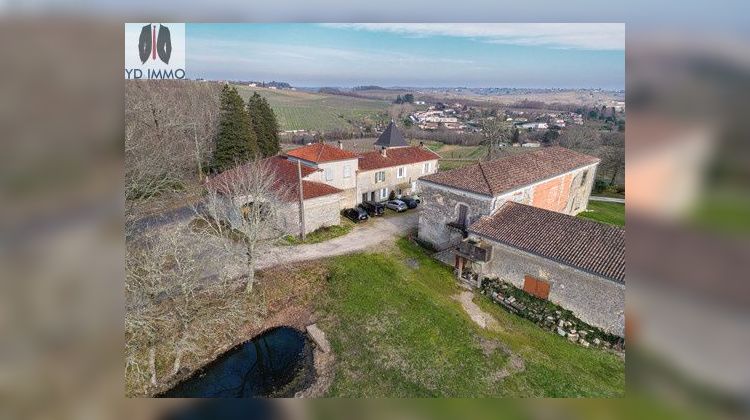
(575,55)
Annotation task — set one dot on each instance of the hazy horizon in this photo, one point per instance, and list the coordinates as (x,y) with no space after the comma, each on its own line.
(520,56)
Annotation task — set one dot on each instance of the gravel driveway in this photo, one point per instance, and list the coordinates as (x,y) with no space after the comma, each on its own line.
(368,235)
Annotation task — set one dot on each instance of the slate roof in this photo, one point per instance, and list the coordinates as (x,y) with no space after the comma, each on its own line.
(395,157)
(495,177)
(321,152)
(584,244)
(391,137)
(286,174)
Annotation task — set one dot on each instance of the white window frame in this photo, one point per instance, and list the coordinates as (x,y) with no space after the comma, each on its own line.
(383,193)
(347,171)
(401,172)
(379,177)
(328,174)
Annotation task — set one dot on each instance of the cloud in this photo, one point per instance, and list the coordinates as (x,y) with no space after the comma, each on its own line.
(587,36)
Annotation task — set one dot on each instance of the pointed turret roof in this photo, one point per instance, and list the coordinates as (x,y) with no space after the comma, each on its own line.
(391,137)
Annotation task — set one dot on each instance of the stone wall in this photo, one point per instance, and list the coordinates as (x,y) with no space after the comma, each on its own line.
(440,207)
(366,179)
(319,212)
(593,299)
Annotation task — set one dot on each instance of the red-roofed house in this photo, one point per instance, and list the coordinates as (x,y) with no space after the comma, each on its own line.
(393,169)
(336,167)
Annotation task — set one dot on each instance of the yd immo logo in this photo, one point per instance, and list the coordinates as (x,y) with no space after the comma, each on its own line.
(149,44)
(154,50)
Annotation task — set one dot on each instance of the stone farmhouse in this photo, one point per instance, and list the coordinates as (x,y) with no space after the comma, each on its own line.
(334,178)
(513,218)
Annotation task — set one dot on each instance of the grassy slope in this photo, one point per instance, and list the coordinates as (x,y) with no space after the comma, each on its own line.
(298,110)
(397,332)
(612,213)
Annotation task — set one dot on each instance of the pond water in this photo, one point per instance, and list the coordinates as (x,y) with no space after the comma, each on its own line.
(277,363)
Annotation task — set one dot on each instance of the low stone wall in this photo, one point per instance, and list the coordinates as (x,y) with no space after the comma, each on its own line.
(549,316)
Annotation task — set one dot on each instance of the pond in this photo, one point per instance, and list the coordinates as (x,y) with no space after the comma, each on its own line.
(277,363)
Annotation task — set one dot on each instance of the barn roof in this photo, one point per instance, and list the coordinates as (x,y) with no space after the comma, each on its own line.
(584,244)
(495,177)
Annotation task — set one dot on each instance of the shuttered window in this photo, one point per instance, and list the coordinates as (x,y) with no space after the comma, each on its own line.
(536,287)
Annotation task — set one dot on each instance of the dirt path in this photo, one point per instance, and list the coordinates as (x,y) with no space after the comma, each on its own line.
(481,318)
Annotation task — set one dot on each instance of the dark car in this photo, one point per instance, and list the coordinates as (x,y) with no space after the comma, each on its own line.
(372,208)
(396,205)
(356,214)
(410,202)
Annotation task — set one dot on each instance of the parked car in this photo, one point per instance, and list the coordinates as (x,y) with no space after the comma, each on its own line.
(372,208)
(396,205)
(356,214)
(417,198)
(410,202)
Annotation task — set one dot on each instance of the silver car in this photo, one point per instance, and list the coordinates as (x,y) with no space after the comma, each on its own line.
(396,205)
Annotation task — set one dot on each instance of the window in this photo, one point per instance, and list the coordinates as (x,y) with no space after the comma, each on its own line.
(536,287)
(347,171)
(399,192)
(383,193)
(426,167)
(401,172)
(583,178)
(379,176)
(329,174)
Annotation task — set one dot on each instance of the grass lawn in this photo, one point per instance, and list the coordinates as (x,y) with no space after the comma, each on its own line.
(322,234)
(612,213)
(447,164)
(397,332)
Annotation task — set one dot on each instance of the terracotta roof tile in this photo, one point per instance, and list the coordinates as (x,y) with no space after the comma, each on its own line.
(394,157)
(286,174)
(495,177)
(321,152)
(584,244)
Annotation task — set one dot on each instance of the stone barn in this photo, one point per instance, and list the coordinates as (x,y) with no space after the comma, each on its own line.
(552,178)
(576,263)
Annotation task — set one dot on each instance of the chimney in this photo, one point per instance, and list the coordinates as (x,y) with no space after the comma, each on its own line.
(382,151)
(341,145)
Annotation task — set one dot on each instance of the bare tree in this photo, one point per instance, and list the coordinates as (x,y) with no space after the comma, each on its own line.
(170,127)
(160,268)
(172,309)
(495,133)
(247,206)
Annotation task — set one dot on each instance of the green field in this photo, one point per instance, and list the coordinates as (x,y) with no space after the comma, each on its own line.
(297,110)
(612,213)
(396,331)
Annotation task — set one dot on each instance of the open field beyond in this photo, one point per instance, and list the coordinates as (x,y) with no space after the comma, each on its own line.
(297,110)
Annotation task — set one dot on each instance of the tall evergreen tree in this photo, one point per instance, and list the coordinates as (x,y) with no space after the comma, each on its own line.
(236,141)
(265,126)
